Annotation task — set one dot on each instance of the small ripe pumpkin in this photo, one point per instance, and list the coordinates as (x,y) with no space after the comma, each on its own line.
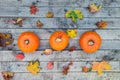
(59,40)
(90,41)
(28,42)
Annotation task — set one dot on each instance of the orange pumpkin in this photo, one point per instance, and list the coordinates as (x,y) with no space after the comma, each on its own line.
(28,42)
(59,40)
(90,41)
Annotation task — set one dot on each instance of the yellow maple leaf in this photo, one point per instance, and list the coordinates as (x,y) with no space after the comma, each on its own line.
(100,66)
(33,67)
(72,33)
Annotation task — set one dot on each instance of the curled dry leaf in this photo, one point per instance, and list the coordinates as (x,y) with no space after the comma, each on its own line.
(18,21)
(20,56)
(33,9)
(85,69)
(7,75)
(72,48)
(49,15)
(34,67)
(102,24)
(50,65)
(39,23)
(48,51)
(93,8)
(6,39)
(65,69)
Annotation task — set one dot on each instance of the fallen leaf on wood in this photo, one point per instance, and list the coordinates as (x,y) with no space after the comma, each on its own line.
(50,65)
(20,56)
(49,15)
(7,75)
(39,24)
(85,69)
(34,67)
(102,24)
(93,8)
(65,69)
(19,21)
(72,48)
(6,39)
(33,9)
(72,33)
(100,66)
(48,51)
(74,14)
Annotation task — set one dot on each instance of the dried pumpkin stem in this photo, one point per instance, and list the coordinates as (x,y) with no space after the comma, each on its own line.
(91,43)
(58,40)
(26,42)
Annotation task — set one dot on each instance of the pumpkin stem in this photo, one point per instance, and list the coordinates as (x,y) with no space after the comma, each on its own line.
(91,43)
(58,40)
(26,42)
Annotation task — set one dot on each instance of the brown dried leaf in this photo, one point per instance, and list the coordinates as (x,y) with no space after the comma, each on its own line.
(7,75)
(39,23)
(102,24)
(85,69)
(49,15)
(65,70)
(72,48)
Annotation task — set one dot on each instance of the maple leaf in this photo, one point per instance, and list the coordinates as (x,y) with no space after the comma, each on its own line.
(94,8)
(72,33)
(100,66)
(34,67)
(74,14)
(33,9)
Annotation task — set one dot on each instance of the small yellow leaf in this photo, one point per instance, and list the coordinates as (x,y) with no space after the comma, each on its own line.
(72,33)
(34,67)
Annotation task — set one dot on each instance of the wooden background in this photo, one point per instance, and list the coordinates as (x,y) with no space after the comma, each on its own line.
(110,12)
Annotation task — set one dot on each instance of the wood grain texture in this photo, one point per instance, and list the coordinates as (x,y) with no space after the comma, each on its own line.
(77,66)
(78,55)
(70,76)
(58,12)
(78,3)
(60,23)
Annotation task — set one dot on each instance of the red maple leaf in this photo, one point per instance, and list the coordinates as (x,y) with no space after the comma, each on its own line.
(33,9)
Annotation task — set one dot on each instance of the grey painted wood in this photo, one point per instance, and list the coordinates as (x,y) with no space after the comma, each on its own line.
(78,55)
(60,23)
(45,33)
(70,76)
(110,45)
(77,66)
(58,12)
(80,3)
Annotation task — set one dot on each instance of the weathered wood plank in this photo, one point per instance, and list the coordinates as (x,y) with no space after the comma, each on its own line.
(75,3)
(58,12)
(70,76)
(106,45)
(60,23)
(77,66)
(45,33)
(62,56)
